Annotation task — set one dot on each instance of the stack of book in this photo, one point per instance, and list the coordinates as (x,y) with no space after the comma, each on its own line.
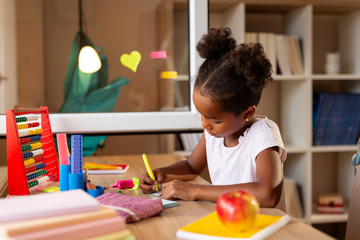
(283,51)
(62,215)
(332,203)
(336,118)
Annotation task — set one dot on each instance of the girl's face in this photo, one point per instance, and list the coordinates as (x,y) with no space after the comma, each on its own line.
(215,121)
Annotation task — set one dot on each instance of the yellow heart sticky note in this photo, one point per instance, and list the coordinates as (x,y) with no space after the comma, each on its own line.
(131,61)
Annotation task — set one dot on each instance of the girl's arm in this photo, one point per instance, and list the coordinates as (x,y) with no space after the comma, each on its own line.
(183,170)
(267,189)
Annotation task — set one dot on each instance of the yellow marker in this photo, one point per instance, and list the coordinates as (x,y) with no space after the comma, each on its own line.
(148,168)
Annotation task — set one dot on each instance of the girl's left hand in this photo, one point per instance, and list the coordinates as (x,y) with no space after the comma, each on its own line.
(177,189)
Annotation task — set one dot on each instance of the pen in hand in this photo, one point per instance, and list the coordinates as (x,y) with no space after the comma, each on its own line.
(148,168)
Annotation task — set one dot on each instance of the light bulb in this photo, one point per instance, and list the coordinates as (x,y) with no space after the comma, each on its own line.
(89,60)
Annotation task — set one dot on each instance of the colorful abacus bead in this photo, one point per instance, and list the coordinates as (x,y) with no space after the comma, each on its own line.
(34,124)
(22,126)
(36,145)
(40,166)
(31,146)
(29,161)
(25,148)
(35,138)
(43,179)
(24,140)
(30,169)
(20,119)
(31,176)
(33,183)
(28,154)
(39,159)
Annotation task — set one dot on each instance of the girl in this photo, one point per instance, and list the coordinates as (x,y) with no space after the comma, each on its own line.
(242,151)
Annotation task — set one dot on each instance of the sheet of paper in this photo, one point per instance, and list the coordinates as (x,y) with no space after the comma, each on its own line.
(166,203)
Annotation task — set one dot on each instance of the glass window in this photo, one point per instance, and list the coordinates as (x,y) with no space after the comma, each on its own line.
(45,33)
(157,30)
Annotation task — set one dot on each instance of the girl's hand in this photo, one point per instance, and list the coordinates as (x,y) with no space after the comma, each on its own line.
(178,190)
(147,185)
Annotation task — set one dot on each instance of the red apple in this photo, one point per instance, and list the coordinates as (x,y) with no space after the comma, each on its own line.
(237,210)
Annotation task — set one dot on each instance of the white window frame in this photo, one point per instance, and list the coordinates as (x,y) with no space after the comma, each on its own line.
(140,122)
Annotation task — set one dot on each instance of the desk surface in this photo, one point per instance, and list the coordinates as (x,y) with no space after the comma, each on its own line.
(165,225)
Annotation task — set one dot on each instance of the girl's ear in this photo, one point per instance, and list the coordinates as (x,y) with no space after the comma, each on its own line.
(250,112)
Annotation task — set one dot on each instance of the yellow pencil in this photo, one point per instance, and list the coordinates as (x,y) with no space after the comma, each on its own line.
(148,168)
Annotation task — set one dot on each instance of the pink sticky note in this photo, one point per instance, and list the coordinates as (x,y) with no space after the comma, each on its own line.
(158,54)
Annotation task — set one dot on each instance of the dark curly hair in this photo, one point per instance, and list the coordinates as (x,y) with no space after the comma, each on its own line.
(233,75)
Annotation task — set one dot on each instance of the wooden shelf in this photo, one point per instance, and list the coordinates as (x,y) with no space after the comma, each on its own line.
(322,26)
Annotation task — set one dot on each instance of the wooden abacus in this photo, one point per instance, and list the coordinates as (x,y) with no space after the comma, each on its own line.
(31,153)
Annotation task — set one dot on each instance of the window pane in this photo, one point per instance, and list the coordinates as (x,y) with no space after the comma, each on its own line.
(45,34)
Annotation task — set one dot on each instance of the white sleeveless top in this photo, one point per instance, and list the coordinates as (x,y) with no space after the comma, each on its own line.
(233,165)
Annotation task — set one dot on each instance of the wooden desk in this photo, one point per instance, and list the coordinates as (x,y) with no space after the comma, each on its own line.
(165,225)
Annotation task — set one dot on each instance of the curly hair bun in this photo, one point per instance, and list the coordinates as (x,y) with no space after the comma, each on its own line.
(215,43)
(251,62)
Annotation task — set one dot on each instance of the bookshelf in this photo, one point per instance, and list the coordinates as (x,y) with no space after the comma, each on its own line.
(322,26)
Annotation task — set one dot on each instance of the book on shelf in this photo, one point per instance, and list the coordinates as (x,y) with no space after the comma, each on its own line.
(210,228)
(251,37)
(354,120)
(318,101)
(324,110)
(330,203)
(335,128)
(282,57)
(283,51)
(330,209)
(289,54)
(294,54)
(267,40)
(292,198)
(330,198)
(336,118)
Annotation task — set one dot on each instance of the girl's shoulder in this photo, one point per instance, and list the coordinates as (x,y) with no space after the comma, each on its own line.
(264,127)
(263,121)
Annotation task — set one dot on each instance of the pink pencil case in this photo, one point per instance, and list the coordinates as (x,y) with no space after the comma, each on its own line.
(131,208)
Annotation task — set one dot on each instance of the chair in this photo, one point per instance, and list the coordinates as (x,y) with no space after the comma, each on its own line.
(353,222)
